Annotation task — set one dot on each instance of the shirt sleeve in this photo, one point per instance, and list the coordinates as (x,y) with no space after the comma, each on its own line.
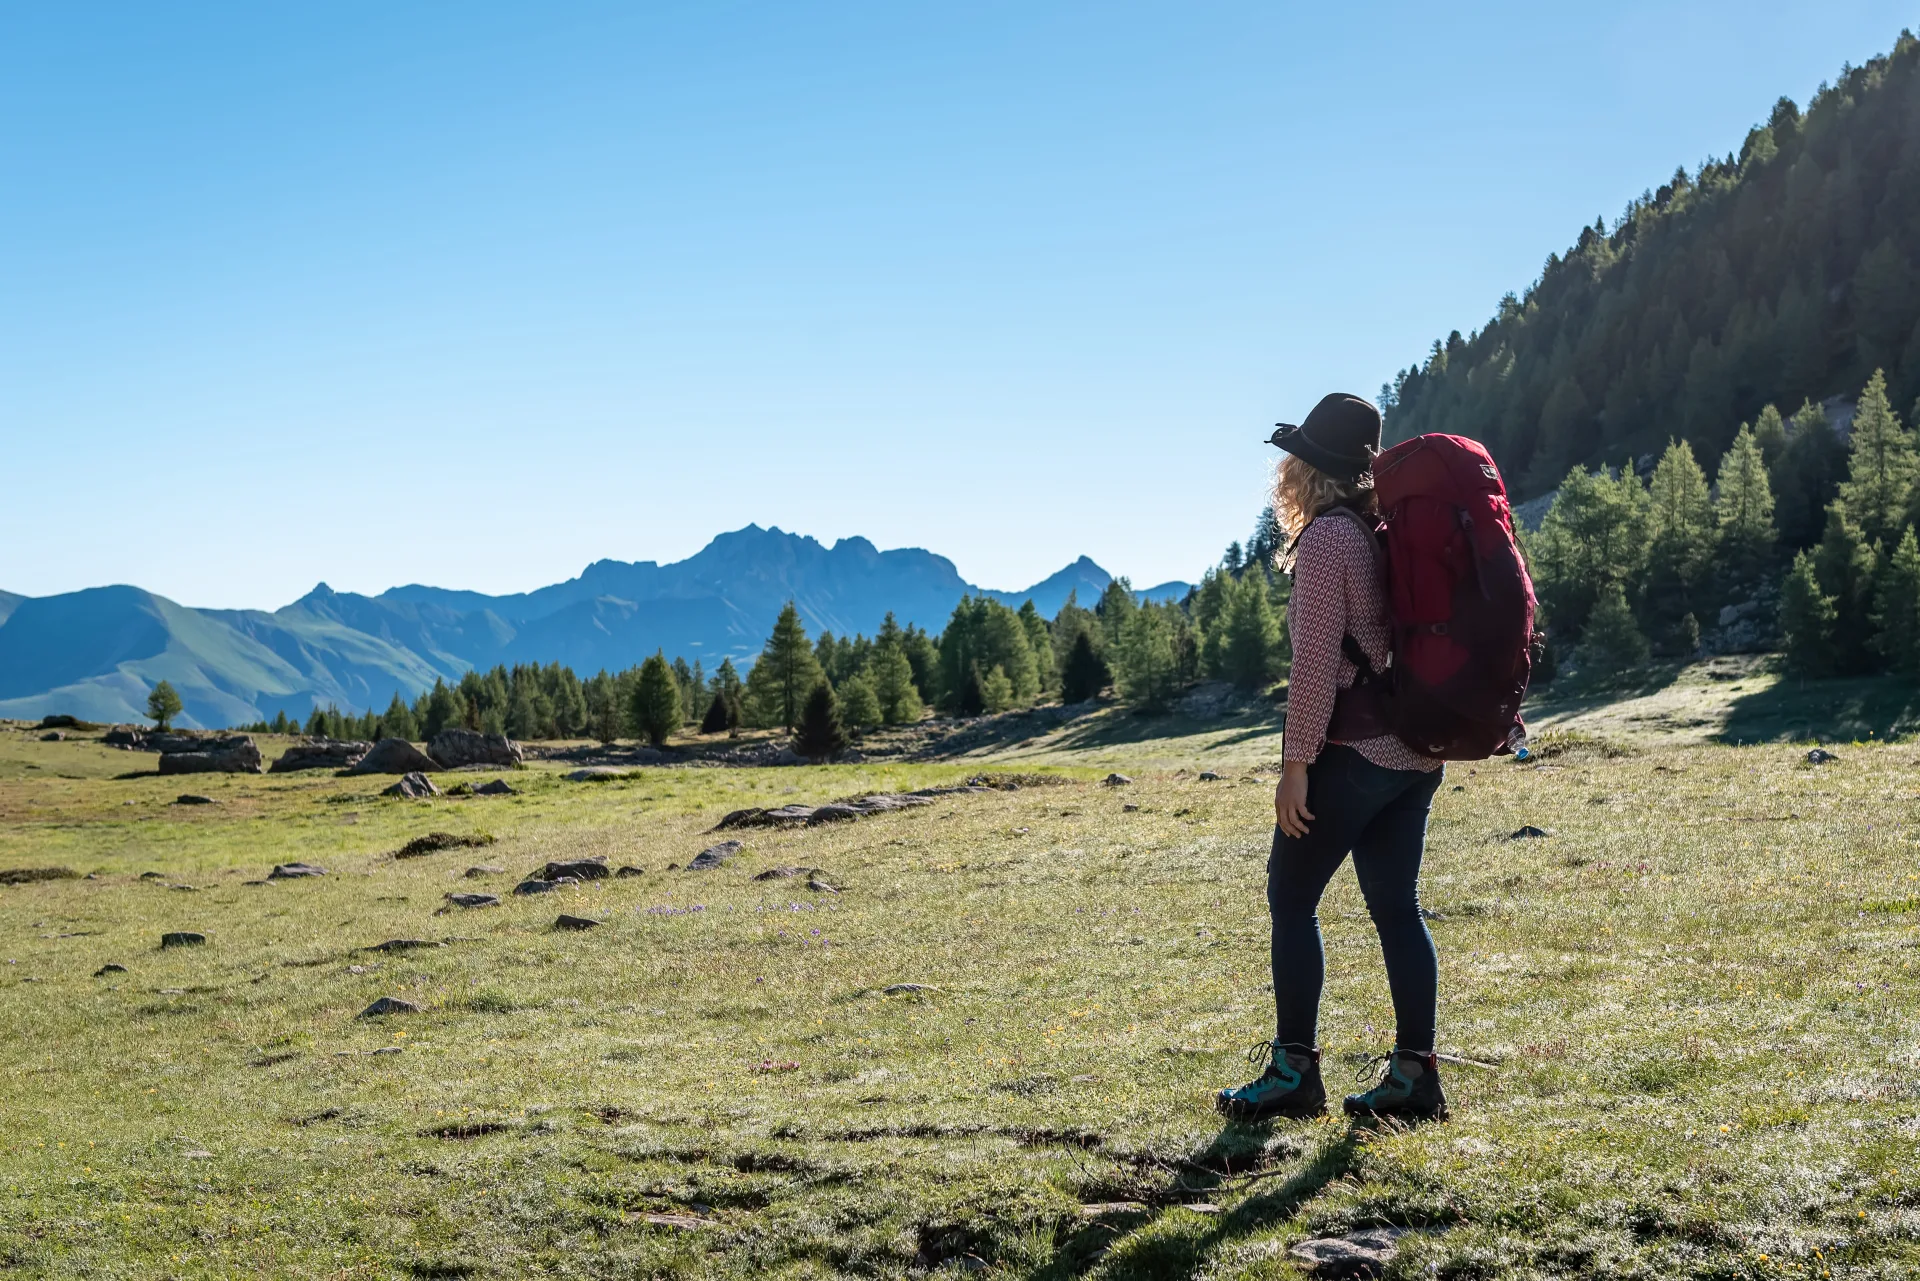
(1319,621)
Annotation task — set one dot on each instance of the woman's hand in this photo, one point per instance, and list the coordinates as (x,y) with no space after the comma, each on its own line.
(1290,800)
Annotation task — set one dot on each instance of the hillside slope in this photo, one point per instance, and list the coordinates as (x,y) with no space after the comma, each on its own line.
(1784,273)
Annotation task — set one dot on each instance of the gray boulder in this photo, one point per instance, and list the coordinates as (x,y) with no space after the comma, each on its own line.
(414,787)
(389,1005)
(454,747)
(320,753)
(713,856)
(395,756)
(294,871)
(498,787)
(241,758)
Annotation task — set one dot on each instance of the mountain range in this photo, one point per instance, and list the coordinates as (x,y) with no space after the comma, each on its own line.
(96,653)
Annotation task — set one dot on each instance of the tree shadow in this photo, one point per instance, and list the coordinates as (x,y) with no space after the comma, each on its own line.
(1570,695)
(1796,709)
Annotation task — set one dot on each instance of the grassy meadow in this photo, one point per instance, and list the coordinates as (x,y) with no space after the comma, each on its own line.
(1690,1012)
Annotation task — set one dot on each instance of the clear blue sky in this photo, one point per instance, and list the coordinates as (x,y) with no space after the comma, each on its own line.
(476,293)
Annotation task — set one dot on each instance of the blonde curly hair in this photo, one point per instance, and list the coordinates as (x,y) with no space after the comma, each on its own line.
(1302,492)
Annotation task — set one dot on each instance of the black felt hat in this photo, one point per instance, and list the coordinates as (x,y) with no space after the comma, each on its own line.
(1340,436)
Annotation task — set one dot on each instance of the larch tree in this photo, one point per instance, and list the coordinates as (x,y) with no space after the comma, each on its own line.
(1745,511)
(784,676)
(656,701)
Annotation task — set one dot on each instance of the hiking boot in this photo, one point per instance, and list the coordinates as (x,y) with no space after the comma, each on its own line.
(1410,1089)
(1289,1085)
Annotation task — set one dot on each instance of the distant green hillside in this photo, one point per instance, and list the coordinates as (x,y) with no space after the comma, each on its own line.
(1784,273)
(96,653)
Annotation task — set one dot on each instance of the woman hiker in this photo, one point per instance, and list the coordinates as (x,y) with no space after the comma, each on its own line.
(1343,787)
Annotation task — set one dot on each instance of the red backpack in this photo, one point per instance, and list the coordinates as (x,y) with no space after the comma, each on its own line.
(1460,604)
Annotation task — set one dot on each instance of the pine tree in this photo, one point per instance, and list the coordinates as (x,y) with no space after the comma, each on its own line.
(1115,608)
(397,721)
(996,691)
(689,692)
(317,723)
(279,725)
(717,719)
(859,705)
(443,709)
(924,658)
(656,701)
(893,686)
(1612,642)
(1745,512)
(1896,607)
(1805,476)
(973,694)
(1770,433)
(1040,641)
(1881,466)
(604,706)
(819,736)
(784,677)
(1682,534)
(1806,620)
(523,718)
(1595,534)
(1845,563)
(1251,635)
(163,704)
(1084,674)
(1146,674)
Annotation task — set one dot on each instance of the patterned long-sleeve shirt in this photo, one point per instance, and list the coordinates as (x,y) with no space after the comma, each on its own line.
(1337,591)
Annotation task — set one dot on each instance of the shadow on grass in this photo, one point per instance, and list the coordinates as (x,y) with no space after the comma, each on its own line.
(1571,695)
(1122,728)
(1123,1252)
(1831,711)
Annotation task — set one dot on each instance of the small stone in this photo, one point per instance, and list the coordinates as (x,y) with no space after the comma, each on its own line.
(1208,776)
(389,1005)
(388,1049)
(831,814)
(683,1222)
(189,889)
(182,938)
(1201,1207)
(1365,1253)
(479,870)
(1129,809)
(111,967)
(626,872)
(188,798)
(400,945)
(566,922)
(906,989)
(1117,780)
(714,856)
(294,871)
(1529,832)
(585,869)
(358,969)
(153,876)
(414,787)
(474,900)
(498,787)
(537,886)
(1820,756)
(1113,1209)
(781,873)
(821,885)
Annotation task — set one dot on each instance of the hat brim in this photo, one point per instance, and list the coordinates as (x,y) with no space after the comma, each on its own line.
(1294,440)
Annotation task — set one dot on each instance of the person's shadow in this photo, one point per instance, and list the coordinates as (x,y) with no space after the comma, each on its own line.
(1240,1152)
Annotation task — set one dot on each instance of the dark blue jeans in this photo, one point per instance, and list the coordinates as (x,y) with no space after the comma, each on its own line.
(1380,816)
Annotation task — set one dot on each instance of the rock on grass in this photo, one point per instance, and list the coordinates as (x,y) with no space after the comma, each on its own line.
(434,842)
(413,787)
(714,856)
(474,900)
(182,938)
(294,871)
(25,875)
(389,1005)
(566,922)
(584,869)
